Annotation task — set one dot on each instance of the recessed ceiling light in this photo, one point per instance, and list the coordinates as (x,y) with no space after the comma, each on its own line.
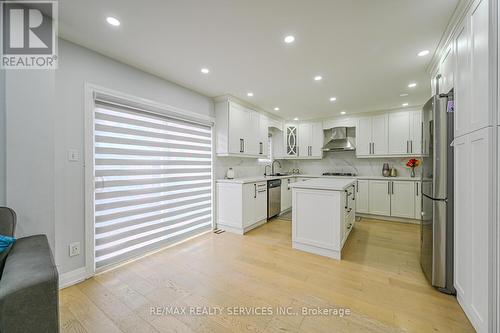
(205,70)
(289,39)
(405,104)
(412,85)
(113,21)
(343,112)
(404,95)
(318,78)
(423,53)
(276,109)
(295,118)
(333,99)
(250,94)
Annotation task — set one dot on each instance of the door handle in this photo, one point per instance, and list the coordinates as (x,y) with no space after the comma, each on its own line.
(255,191)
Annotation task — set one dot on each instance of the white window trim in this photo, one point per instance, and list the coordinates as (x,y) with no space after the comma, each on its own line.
(91,93)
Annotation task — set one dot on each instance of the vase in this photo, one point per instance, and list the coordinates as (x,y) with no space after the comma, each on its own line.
(412,173)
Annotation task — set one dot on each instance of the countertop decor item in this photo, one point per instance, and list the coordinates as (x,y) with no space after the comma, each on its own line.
(386,171)
(230,173)
(394,172)
(413,163)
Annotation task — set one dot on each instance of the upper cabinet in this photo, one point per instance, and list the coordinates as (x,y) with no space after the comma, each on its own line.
(303,141)
(240,131)
(372,136)
(472,72)
(447,71)
(291,145)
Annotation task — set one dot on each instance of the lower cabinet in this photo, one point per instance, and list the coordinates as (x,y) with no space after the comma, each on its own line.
(379,197)
(395,198)
(362,196)
(241,207)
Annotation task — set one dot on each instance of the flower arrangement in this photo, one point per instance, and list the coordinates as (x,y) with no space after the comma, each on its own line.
(413,163)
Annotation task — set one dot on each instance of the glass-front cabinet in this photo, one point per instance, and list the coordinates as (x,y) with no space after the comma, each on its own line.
(291,140)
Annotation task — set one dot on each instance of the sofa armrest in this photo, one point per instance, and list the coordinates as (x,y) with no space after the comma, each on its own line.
(29,290)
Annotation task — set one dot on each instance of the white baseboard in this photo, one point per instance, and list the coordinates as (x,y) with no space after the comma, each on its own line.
(388,218)
(72,277)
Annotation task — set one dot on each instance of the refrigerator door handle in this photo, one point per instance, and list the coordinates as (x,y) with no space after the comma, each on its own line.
(434,199)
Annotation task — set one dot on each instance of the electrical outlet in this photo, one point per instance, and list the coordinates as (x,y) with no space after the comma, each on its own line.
(73,155)
(74,249)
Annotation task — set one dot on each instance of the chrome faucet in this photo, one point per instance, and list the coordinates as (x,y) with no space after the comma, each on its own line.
(265,169)
(272,166)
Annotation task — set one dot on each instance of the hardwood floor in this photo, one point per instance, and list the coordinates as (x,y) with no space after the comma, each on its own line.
(379,280)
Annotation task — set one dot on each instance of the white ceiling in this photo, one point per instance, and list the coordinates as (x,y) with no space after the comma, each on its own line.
(364,49)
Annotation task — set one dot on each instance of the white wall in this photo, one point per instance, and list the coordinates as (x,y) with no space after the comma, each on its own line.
(45,188)
(2,138)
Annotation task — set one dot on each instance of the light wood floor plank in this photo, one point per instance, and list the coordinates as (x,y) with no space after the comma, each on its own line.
(379,280)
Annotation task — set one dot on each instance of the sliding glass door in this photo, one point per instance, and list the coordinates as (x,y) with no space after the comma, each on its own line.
(153,181)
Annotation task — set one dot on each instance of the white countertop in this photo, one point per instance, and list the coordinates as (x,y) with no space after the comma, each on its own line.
(256,179)
(331,184)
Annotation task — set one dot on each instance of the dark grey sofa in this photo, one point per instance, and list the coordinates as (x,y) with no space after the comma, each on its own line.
(29,290)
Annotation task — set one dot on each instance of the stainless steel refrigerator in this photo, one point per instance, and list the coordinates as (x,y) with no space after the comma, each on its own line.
(436,251)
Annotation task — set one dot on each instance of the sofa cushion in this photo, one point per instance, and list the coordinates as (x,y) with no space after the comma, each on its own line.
(3,257)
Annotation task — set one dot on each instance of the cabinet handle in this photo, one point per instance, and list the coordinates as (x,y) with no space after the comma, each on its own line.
(357,185)
(241,145)
(389,188)
(411,146)
(262,191)
(392,185)
(346,198)
(373,148)
(407,146)
(417,189)
(260,148)
(255,191)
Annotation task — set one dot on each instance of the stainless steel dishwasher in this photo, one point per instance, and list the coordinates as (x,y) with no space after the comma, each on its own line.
(273,197)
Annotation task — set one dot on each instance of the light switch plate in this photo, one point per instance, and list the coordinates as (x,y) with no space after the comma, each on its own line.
(74,249)
(73,155)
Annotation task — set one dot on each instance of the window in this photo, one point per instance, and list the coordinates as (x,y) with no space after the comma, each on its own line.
(269,157)
(153,181)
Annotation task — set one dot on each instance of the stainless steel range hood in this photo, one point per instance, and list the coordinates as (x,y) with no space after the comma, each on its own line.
(340,139)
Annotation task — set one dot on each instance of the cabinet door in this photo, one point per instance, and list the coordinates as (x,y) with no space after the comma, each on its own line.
(249,198)
(252,138)
(363,136)
(462,221)
(261,202)
(362,196)
(379,135)
(416,133)
(263,135)
(379,197)
(278,144)
(399,133)
(479,111)
(447,70)
(304,140)
(418,200)
(238,122)
(317,140)
(403,199)
(291,144)
(462,81)
(480,206)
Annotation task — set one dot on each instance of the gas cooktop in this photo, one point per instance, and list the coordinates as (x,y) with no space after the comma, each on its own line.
(343,174)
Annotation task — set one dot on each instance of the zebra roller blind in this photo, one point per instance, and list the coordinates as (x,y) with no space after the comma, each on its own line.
(153,181)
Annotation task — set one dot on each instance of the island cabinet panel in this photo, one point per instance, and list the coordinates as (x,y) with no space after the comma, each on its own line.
(418,200)
(286,194)
(362,194)
(403,199)
(380,197)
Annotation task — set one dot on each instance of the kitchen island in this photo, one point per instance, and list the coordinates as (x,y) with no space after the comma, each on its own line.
(323,213)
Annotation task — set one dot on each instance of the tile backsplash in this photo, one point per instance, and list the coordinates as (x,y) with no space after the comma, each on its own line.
(346,161)
(331,162)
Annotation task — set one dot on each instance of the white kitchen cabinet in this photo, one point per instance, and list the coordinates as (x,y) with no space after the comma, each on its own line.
(418,200)
(462,81)
(263,135)
(372,136)
(474,209)
(286,194)
(247,208)
(291,137)
(310,140)
(403,199)
(479,112)
(379,197)
(416,129)
(239,130)
(447,71)
(399,133)
(362,196)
